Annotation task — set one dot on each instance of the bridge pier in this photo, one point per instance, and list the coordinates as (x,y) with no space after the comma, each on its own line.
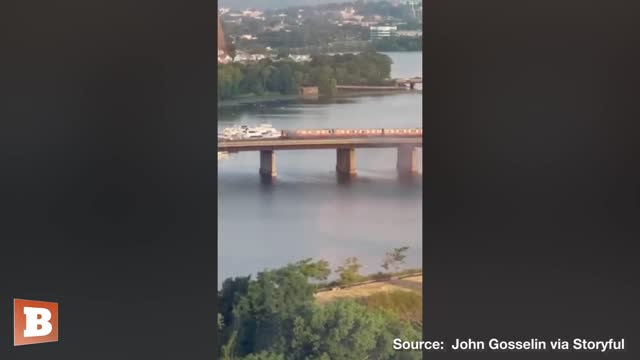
(267,163)
(346,162)
(407,164)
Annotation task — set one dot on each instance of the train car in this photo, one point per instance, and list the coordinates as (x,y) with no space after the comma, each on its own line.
(351,133)
(348,133)
(417,132)
(307,134)
(330,133)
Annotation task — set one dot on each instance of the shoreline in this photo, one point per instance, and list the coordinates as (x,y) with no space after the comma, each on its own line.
(256,99)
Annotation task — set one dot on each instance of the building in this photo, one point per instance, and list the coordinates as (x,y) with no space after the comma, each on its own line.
(308,91)
(409,33)
(381,32)
(300,58)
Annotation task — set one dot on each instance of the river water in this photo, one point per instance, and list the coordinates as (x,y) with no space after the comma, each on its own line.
(306,212)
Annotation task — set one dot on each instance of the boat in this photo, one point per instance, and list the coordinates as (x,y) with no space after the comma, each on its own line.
(230,133)
(268,131)
(244,132)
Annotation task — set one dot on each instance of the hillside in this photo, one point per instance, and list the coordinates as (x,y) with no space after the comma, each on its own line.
(271,4)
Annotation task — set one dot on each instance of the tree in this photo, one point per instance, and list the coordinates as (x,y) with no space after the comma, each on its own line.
(286,77)
(265,73)
(275,317)
(327,87)
(400,304)
(318,270)
(264,356)
(350,271)
(263,317)
(395,258)
(346,330)
(283,53)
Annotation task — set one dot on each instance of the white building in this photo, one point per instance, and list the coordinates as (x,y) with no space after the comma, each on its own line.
(409,33)
(347,13)
(243,57)
(253,14)
(380,32)
(300,58)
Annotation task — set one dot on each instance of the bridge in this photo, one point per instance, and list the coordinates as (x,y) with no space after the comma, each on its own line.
(397,84)
(345,151)
(411,82)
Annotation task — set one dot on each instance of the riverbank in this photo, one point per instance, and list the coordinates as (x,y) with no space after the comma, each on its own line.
(265,99)
(256,99)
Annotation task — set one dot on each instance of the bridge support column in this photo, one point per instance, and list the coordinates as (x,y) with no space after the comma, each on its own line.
(267,163)
(346,162)
(407,164)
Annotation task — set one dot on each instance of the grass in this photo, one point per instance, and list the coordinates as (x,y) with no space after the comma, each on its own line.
(379,276)
(404,305)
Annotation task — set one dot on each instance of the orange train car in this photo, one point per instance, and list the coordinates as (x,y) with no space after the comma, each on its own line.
(417,132)
(349,133)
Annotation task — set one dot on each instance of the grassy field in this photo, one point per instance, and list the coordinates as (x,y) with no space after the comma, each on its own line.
(413,284)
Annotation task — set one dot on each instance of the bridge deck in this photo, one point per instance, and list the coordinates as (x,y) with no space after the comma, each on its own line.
(310,144)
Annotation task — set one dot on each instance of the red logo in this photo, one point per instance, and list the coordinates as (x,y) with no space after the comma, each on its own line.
(34,322)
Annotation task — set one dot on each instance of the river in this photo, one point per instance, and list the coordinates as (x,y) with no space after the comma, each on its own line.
(306,213)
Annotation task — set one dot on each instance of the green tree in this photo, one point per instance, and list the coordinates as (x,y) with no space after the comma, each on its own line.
(318,270)
(274,317)
(283,53)
(264,316)
(327,87)
(350,271)
(233,289)
(286,80)
(400,304)
(264,356)
(253,82)
(395,258)
(286,77)
(346,330)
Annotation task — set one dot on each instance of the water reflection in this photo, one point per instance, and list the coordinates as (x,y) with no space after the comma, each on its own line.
(309,211)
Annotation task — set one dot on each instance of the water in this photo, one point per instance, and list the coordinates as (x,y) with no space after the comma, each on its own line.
(306,212)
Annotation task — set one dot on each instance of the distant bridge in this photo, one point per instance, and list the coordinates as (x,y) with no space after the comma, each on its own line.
(398,84)
(410,81)
(345,151)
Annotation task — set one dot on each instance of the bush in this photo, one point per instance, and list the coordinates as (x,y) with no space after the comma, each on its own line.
(404,305)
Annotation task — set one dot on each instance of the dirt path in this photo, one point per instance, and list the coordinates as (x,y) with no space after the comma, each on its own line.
(413,283)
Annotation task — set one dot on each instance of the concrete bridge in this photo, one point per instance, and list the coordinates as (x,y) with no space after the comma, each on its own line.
(411,82)
(398,84)
(345,151)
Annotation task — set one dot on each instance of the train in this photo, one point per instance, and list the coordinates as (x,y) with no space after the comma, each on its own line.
(349,133)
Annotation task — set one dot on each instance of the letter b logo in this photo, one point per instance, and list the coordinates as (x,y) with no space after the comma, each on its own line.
(34,322)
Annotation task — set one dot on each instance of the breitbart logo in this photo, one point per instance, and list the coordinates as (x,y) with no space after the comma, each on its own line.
(34,322)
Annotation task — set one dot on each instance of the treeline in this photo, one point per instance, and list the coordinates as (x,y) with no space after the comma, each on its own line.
(398,44)
(353,46)
(349,272)
(286,76)
(275,317)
